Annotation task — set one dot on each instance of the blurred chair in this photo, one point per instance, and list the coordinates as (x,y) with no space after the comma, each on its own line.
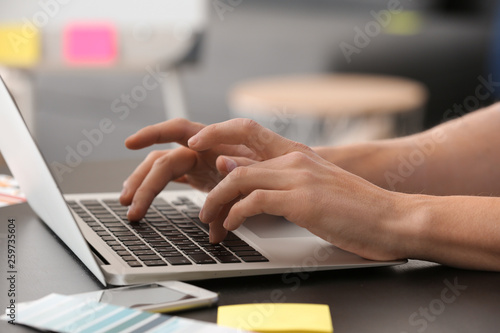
(92,36)
(332,109)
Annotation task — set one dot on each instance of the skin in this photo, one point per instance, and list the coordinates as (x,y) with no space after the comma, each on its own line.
(430,196)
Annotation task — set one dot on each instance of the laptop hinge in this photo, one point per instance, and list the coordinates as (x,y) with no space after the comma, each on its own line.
(99,257)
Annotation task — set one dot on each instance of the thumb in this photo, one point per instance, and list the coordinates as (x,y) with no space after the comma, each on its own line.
(226,164)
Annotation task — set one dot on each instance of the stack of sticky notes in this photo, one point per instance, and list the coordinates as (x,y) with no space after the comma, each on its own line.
(19,45)
(90,44)
(277,317)
(58,313)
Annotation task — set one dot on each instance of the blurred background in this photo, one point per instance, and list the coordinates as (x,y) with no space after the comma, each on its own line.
(447,46)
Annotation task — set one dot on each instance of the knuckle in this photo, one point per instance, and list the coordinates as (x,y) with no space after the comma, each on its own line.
(305,176)
(146,193)
(249,124)
(161,161)
(155,154)
(238,172)
(297,157)
(297,146)
(258,196)
(179,122)
(210,197)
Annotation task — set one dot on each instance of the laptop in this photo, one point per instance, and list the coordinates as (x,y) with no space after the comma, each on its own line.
(170,243)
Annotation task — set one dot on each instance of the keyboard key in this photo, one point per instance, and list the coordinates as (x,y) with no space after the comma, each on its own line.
(170,254)
(202,259)
(114,229)
(234,243)
(178,261)
(157,243)
(241,248)
(149,257)
(133,243)
(134,264)
(254,259)
(128,238)
(110,219)
(116,223)
(143,252)
(123,233)
(139,247)
(221,253)
(129,258)
(188,246)
(228,259)
(155,263)
(193,251)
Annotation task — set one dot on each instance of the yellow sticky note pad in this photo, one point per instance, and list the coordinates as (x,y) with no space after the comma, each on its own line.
(19,46)
(406,23)
(277,317)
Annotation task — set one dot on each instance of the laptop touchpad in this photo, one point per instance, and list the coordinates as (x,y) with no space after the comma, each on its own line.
(268,226)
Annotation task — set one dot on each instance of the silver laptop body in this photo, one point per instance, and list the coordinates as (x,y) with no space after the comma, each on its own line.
(277,246)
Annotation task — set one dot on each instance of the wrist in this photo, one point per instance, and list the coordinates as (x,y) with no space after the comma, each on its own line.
(408,225)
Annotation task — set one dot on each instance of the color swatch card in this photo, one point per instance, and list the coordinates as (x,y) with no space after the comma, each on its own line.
(10,193)
(60,313)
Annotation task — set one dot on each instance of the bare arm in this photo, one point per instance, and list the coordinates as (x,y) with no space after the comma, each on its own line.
(457,157)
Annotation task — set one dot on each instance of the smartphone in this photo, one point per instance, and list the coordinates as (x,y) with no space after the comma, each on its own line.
(167,296)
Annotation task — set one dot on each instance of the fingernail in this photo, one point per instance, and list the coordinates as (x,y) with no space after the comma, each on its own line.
(225,224)
(202,215)
(131,209)
(192,141)
(230,164)
(124,192)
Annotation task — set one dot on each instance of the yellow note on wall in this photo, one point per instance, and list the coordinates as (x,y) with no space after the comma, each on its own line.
(19,45)
(277,317)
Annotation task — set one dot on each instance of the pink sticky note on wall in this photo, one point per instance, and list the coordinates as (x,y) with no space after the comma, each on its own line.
(90,44)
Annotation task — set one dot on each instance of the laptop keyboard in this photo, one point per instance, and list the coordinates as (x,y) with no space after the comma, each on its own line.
(169,234)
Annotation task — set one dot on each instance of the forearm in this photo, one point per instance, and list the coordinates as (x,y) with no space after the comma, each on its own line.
(370,160)
(457,157)
(456,230)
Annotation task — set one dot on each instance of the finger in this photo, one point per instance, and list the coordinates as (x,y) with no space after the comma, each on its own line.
(137,177)
(182,179)
(241,182)
(176,130)
(166,168)
(258,202)
(261,140)
(226,164)
(217,232)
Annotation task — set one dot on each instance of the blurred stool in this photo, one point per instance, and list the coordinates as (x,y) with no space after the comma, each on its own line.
(332,109)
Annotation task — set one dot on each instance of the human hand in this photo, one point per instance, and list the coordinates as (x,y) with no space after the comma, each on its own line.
(294,182)
(202,170)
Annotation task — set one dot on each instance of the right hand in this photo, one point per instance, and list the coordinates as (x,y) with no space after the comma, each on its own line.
(202,170)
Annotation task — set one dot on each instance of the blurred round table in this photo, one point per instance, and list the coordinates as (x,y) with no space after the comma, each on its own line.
(332,108)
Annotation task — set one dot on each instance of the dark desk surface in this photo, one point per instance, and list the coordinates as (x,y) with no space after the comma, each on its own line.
(415,297)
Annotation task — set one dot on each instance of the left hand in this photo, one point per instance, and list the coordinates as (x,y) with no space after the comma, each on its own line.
(294,182)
